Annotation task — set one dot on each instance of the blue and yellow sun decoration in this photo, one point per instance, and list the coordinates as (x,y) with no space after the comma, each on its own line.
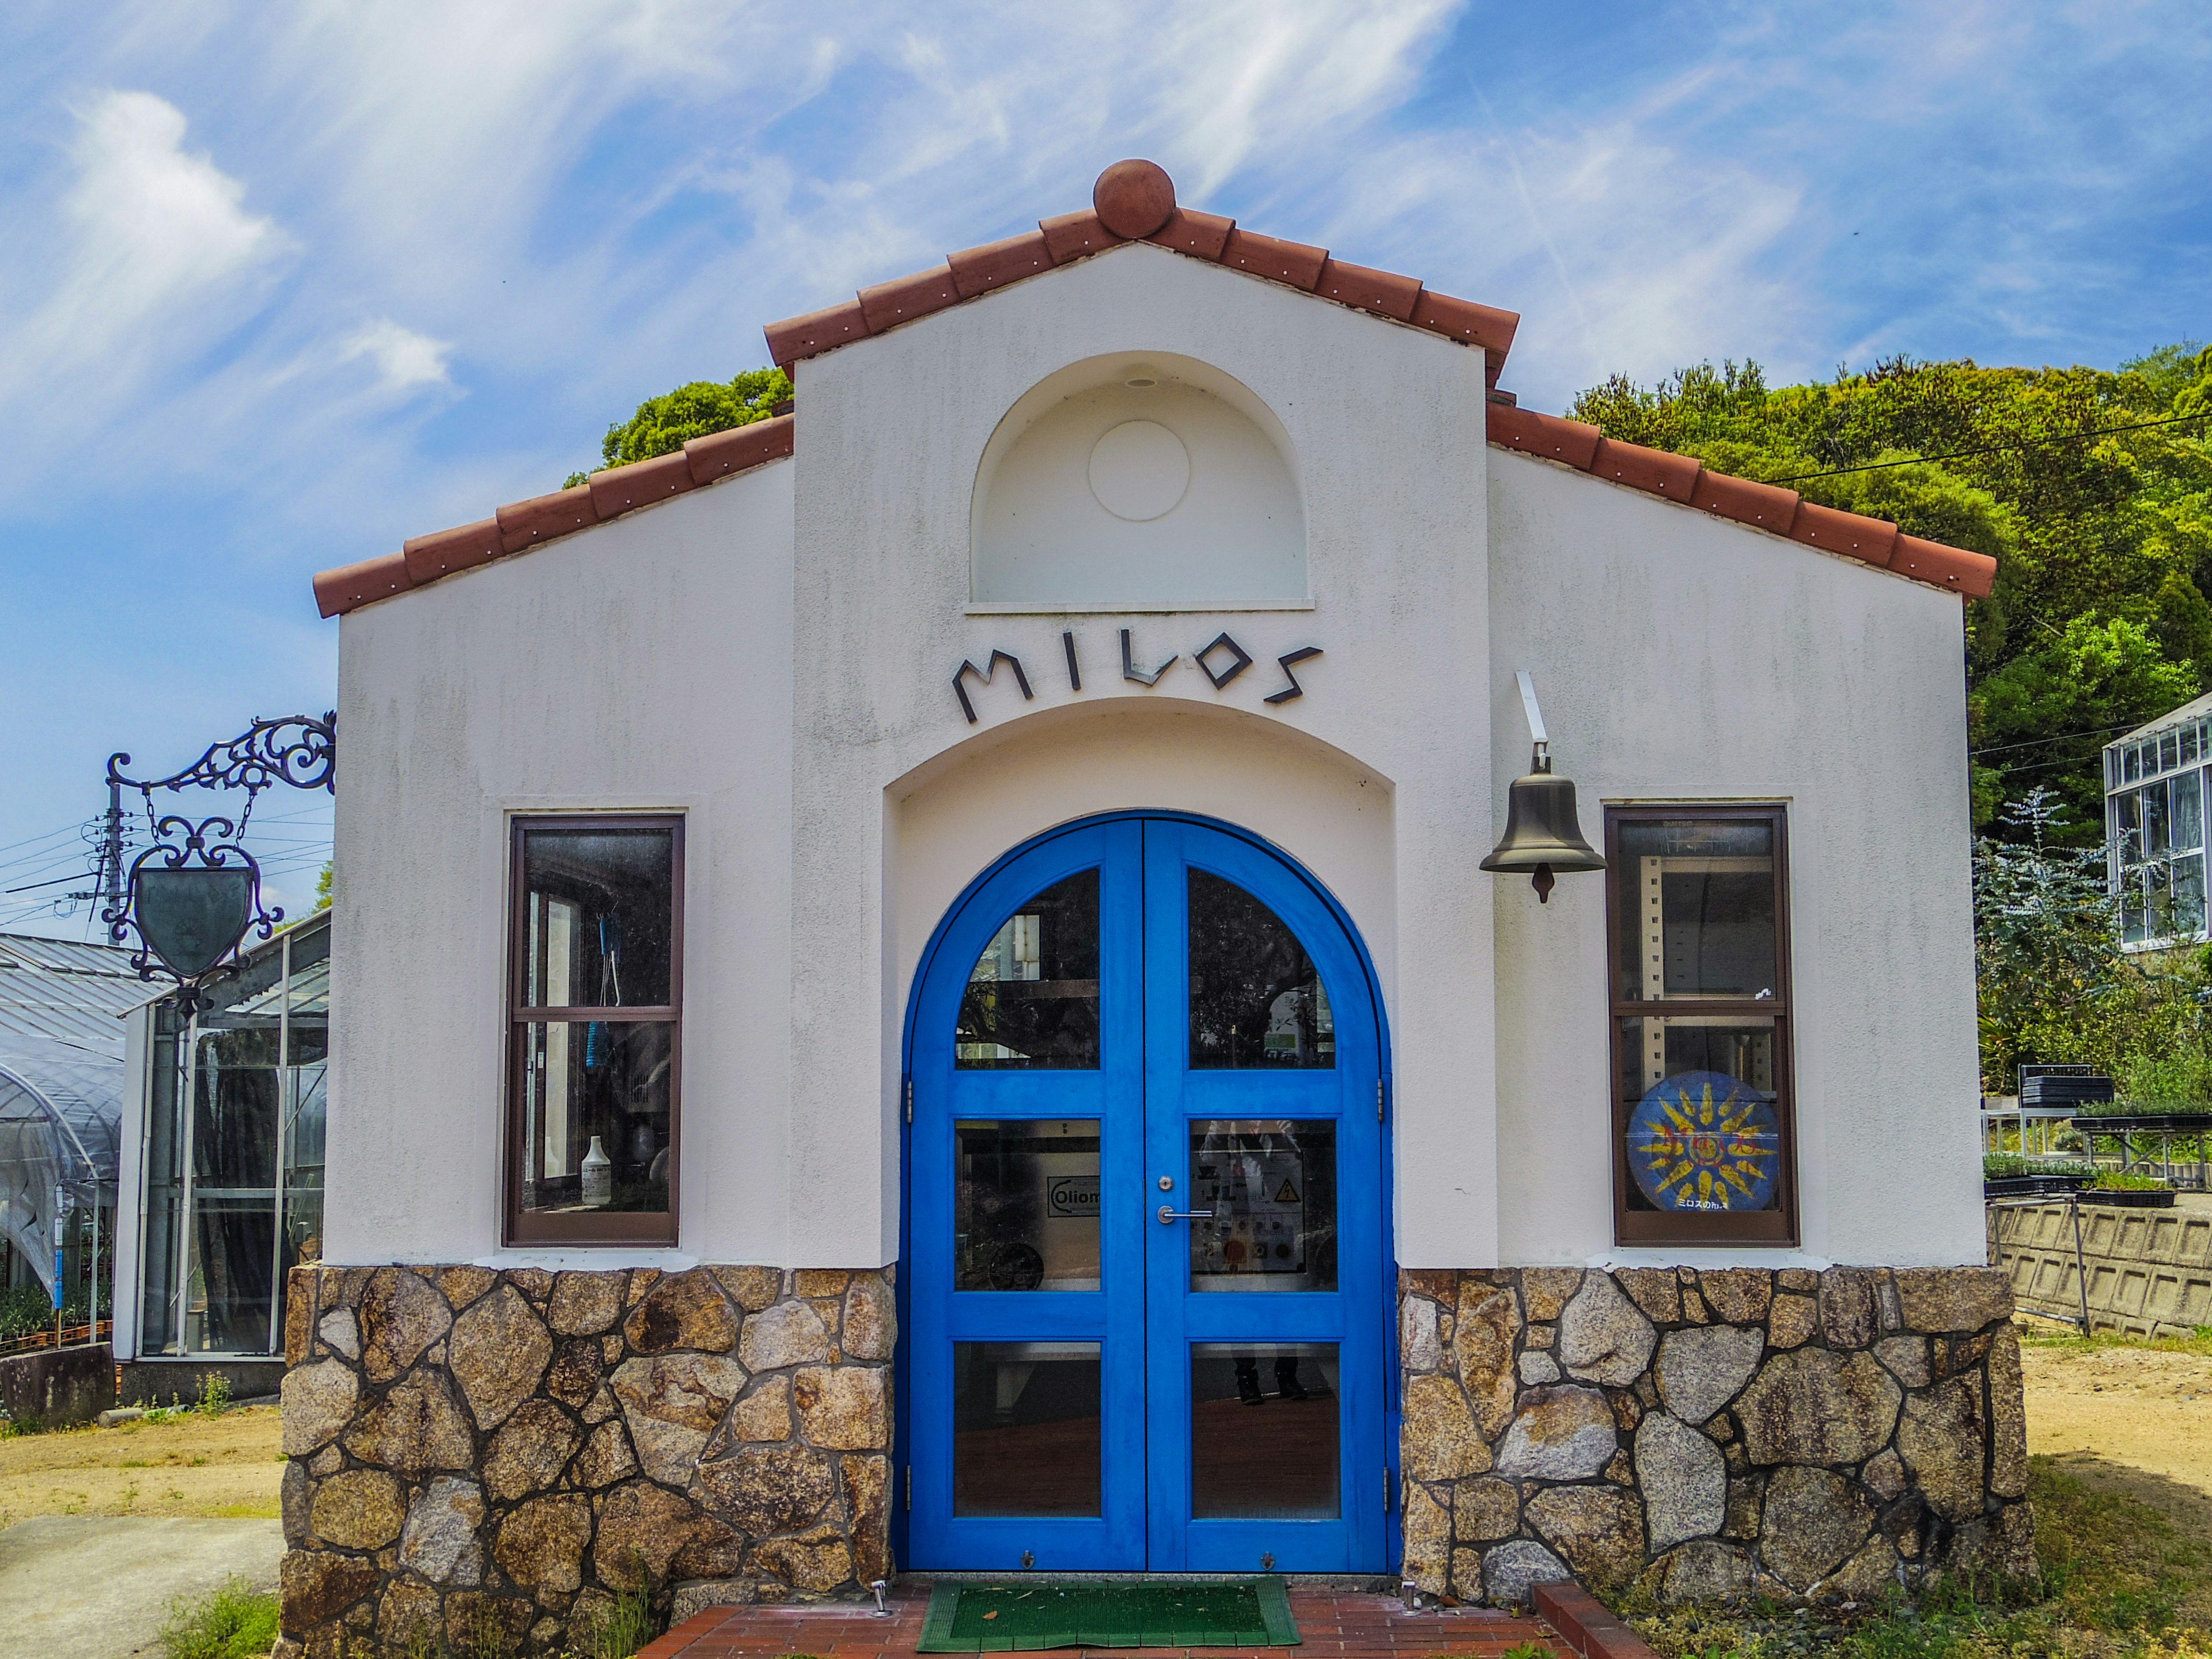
(1702,1141)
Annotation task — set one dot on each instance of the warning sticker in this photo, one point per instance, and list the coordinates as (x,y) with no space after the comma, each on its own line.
(1289,1195)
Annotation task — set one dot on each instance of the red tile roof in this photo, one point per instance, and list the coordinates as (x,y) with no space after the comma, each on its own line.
(1134,201)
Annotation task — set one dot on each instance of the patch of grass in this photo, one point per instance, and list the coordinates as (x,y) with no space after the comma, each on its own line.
(617,1630)
(234,1622)
(2198,1343)
(2118,1583)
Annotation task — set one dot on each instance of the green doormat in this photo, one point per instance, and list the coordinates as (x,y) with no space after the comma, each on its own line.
(1028,1614)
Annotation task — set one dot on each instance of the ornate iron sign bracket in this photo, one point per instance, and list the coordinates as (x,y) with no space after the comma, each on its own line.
(194,894)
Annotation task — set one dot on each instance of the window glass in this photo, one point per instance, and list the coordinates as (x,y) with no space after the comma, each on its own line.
(1272,1189)
(1699,1099)
(1025,1215)
(596,1097)
(2169,752)
(2127,825)
(600,921)
(2185,897)
(2188,746)
(2156,824)
(2133,926)
(1032,997)
(1256,1000)
(1026,1435)
(2187,830)
(1280,1461)
(1701,922)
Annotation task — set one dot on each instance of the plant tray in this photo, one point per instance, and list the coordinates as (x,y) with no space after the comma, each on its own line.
(2141,1198)
(2154,1123)
(2033,1186)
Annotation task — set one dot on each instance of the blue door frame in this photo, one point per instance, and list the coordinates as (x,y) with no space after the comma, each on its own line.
(1146,1317)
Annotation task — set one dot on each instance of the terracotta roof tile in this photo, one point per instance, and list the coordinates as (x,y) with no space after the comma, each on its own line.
(906,298)
(720,453)
(980,270)
(1074,236)
(441,554)
(349,586)
(1971,574)
(1761,506)
(618,489)
(816,332)
(1383,292)
(1203,234)
(1135,199)
(1834,531)
(1661,472)
(525,524)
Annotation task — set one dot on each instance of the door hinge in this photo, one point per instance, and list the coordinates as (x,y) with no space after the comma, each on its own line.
(909,1116)
(1381,1096)
(910,1485)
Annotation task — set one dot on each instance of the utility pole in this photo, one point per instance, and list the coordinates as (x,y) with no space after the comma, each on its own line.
(111,850)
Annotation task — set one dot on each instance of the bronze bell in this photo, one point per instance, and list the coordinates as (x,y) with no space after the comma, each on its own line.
(1542,833)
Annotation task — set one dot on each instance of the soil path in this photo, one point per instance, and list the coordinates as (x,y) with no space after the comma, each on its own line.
(227,1467)
(2114,1413)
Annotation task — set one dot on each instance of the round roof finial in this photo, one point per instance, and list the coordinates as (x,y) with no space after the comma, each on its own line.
(1133,199)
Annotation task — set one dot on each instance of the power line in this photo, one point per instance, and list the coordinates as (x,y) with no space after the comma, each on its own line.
(1995,449)
(2056,736)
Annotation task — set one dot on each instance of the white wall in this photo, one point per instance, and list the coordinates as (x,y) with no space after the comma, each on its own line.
(1385,428)
(1679,657)
(646,665)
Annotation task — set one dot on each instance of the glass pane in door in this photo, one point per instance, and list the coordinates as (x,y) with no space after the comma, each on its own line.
(1256,1000)
(1026,1212)
(1263,1431)
(1271,1185)
(1032,996)
(1026,1428)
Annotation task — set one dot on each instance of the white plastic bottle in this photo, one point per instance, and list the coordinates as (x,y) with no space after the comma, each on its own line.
(598,1173)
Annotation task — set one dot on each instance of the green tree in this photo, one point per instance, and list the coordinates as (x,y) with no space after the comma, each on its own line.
(665,423)
(323,889)
(2088,526)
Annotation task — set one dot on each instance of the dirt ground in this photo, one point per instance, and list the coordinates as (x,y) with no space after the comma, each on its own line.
(229,1466)
(2129,1419)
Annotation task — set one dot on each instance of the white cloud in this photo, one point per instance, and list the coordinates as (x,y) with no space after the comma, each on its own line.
(147,254)
(403,359)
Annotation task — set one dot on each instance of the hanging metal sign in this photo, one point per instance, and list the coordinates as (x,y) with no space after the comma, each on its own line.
(195,892)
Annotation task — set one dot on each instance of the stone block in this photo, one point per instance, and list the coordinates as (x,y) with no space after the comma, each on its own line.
(1815,1521)
(417,1426)
(1428,1529)
(358,1510)
(1737,1295)
(606,1458)
(2007,1417)
(1603,1338)
(1560,1433)
(339,1330)
(1655,1290)
(585,1304)
(1537,1367)
(672,1402)
(1941,1438)
(1438,1437)
(1848,1315)
(576,1371)
(769,1489)
(764,1415)
(695,1596)
(1701,1573)
(683,1311)
(1684,1481)
(1792,1321)
(1815,1406)
(462,1285)
(1598,1530)
(439,1541)
(1701,1368)
(752,1288)
(1545,1290)
(871,1327)
(319,1402)
(843,1408)
(1482,1350)
(540,1545)
(1510,1571)
(1421,1348)
(1937,1299)
(401,1315)
(408,1616)
(316,1586)
(498,1352)
(1906,1357)
(787,1333)
(531,1450)
(643,1527)
(1485,1510)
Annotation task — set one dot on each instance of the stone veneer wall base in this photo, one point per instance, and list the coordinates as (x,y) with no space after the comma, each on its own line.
(486,1459)
(1701,1434)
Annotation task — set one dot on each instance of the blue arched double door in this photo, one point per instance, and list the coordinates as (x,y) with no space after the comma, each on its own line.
(1146,1261)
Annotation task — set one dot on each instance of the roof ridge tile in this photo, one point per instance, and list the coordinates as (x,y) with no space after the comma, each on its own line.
(1201,236)
(979,269)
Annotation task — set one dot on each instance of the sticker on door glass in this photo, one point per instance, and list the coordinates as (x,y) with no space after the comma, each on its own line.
(1702,1141)
(1267,1210)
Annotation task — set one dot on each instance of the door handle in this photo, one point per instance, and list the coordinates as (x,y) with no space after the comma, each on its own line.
(1169,1216)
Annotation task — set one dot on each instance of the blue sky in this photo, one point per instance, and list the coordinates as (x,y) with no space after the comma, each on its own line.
(284,285)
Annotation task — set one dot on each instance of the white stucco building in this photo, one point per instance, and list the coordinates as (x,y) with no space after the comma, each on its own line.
(975,879)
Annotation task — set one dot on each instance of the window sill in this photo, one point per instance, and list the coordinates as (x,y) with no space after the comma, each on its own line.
(1703,1256)
(587,1258)
(1125,607)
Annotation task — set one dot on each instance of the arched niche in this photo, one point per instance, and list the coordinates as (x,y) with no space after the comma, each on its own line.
(1138,481)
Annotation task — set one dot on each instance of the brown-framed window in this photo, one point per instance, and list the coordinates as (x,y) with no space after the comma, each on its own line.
(595,1021)
(1703,1121)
